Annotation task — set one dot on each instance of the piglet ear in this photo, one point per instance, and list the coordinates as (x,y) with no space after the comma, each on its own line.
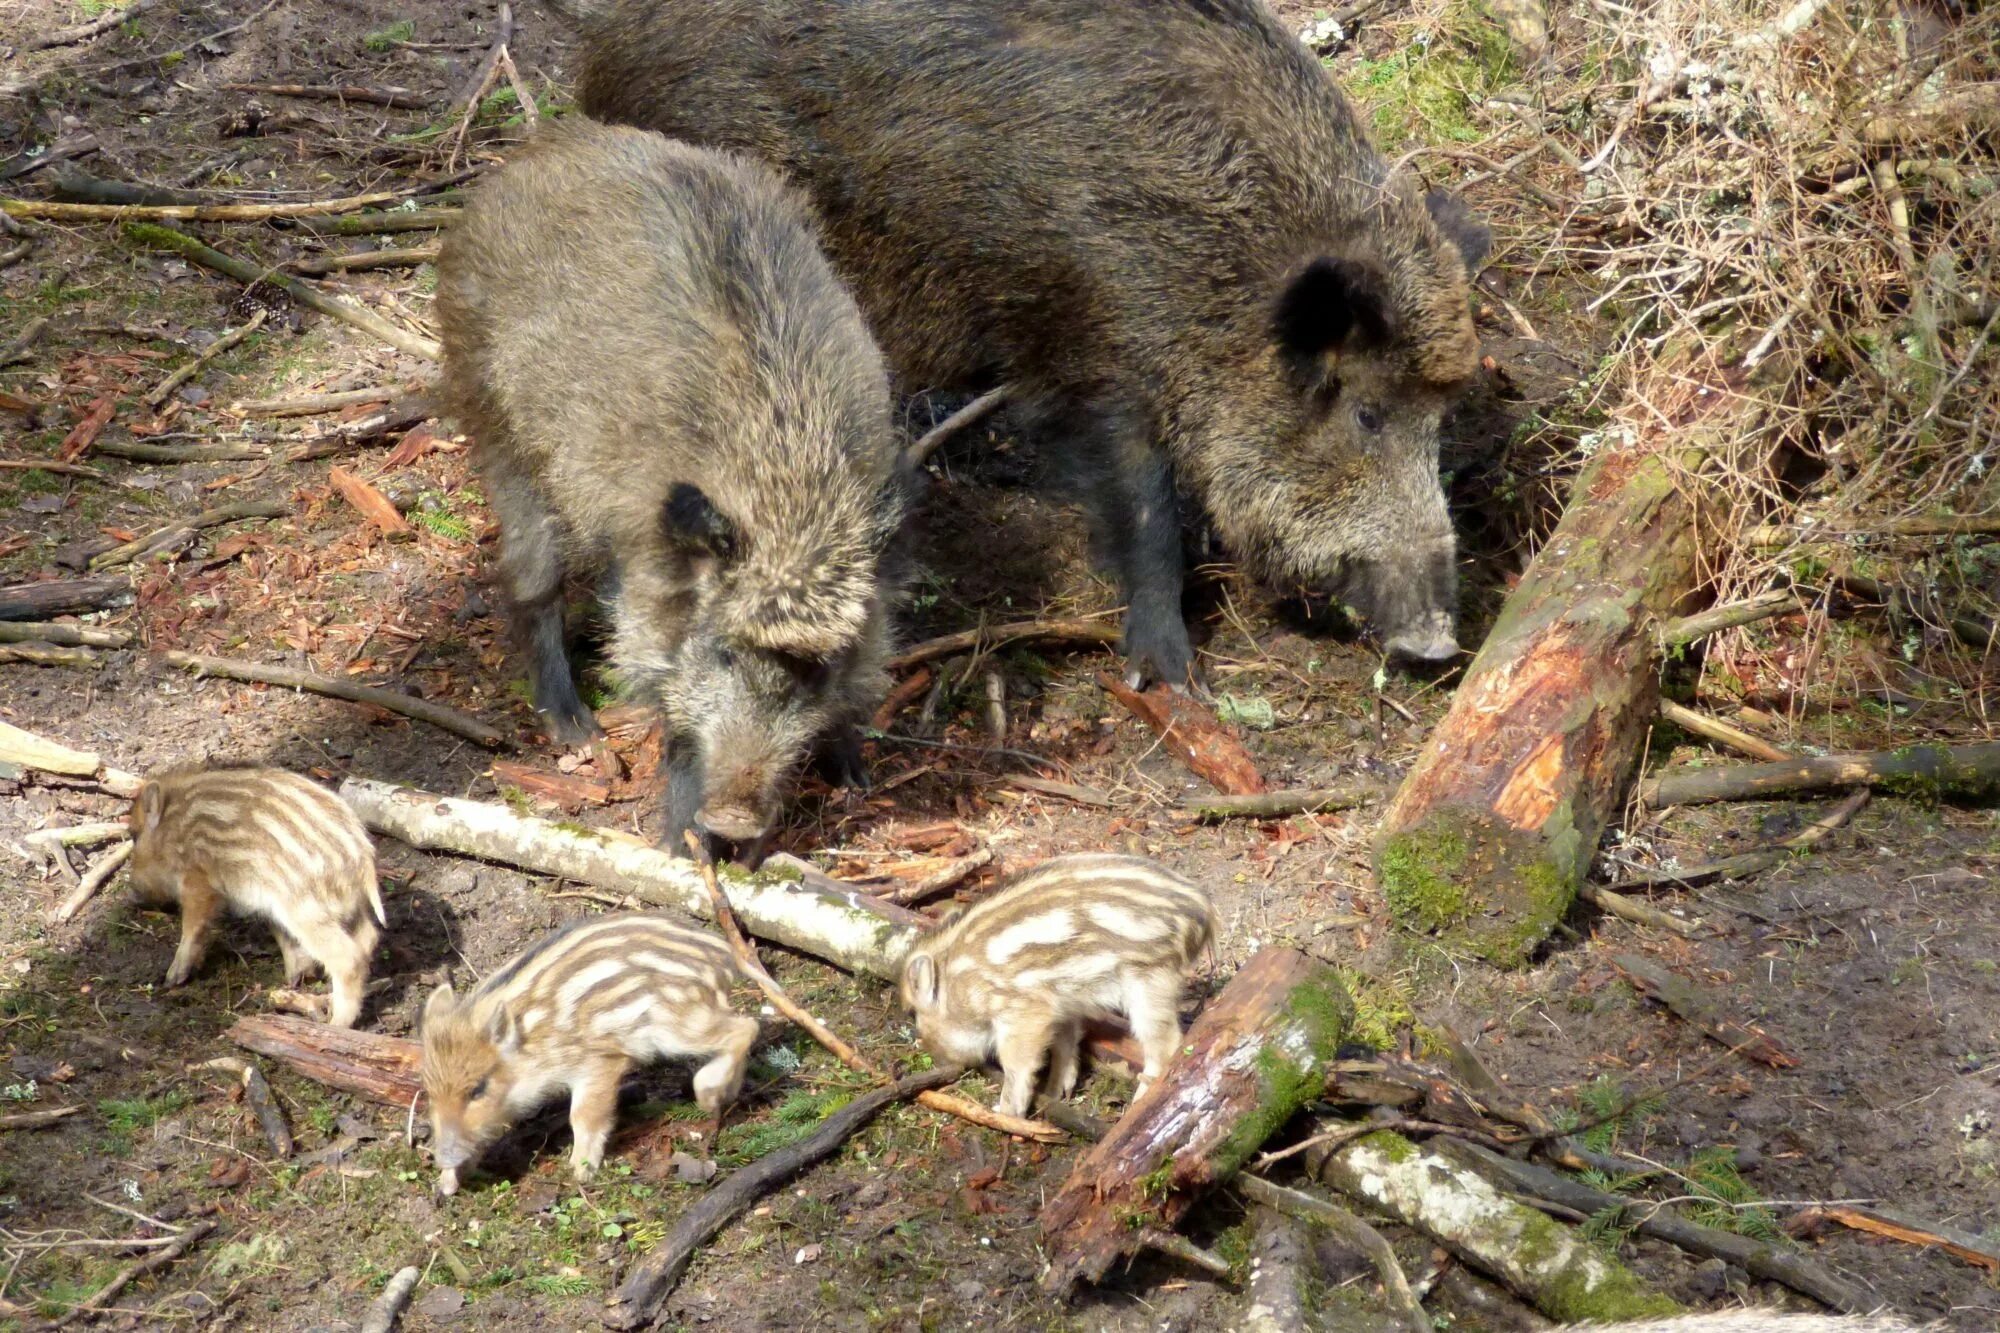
(152,804)
(1455,220)
(693,525)
(1331,305)
(503,1031)
(921,980)
(439,1003)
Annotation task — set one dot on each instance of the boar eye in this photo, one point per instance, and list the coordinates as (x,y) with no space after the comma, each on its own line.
(1369,418)
(725,657)
(478,1091)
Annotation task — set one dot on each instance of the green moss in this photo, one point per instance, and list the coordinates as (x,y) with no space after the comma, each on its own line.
(1159,1181)
(1290,1073)
(1382,1009)
(1617,1297)
(1487,891)
(1419,873)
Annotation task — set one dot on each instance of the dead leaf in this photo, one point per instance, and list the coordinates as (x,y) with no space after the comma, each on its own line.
(414,445)
(229,1173)
(85,432)
(983,1178)
(691,1170)
(371,503)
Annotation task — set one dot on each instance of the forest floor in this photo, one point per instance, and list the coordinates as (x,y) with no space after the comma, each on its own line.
(1876,959)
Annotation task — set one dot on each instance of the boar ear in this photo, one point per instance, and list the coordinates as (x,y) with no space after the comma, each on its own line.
(1329,304)
(1455,220)
(152,804)
(436,1005)
(922,974)
(694,525)
(503,1031)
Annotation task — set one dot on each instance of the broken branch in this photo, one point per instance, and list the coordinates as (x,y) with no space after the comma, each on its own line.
(103,1296)
(133,213)
(55,1115)
(70,636)
(932,885)
(1191,733)
(974,412)
(49,655)
(423,710)
(1280,804)
(32,751)
(175,535)
(203,357)
(1962,772)
(382,1069)
(257,1093)
(1751,863)
(1721,733)
(94,879)
(388,1307)
(62,597)
(401,99)
(83,32)
(1688,1003)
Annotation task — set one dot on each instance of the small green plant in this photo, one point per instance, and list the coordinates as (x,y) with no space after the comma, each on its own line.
(558,1284)
(794,1118)
(125,1116)
(433,513)
(1252,712)
(1725,1198)
(382,39)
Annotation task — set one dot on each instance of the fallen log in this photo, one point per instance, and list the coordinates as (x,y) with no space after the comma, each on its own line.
(38,752)
(1773,1263)
(1968,773)
(638,1299)
(368,1064)
(1497,822)
(68,636)
(336,687)
(780,902)
(1192,734)
(1687,1002)
(62,597)
(49,655)
(1260,1051)
(1279,804)
(1565,1276)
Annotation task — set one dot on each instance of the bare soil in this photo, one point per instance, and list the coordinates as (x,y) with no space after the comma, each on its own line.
(1877,959)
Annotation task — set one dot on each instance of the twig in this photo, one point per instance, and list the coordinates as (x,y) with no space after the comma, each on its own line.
(1352,1231)
(1750,863)
(73,636)
(83,32)
(206,355)
(974,412)
(1920,525)
(49,842)
(312,404)
(482,79)
(901,696)
(388,1307)
(139,452)
(400,98)
(746,957)
(94,879)
(638,1300)
(1749,611)
(60,212)
(59,469)
(104,1295)
(1962,770)
(531,115)
(410,257)
(1632,910)
(989,637)
(1771,1262)
(1722,733)
(257,1093)
(149,233)
(446,719)
(108,1206)
(38,1119)
(186,47)
(377,224)
(932,885)
(1068,791)
(176,534)
(24,343)
(49,655)
(1279,804)
(1185,1250)
(1909,1230)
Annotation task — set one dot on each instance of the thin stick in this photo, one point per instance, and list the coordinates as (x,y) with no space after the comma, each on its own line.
(1750,863)
(139,452)
(989,637)
(1185,1250)
(83,32)
(901,696)
(257,1093)
(38,1119)
(974,412)
(166,238)
(71,636)
(482,79)
(531,115)
(1749,611)
(49,655)
(312,404)
(1279,804)
(746,957)
(202,358)
(96,878)
(132,1213)
(406,258)
(932,885)
(1630,909)
(24,342)
(134,1271)
(60,212)
(446,719)
(1722,733)
(60,469)
(1942,525)
(186,47)
(388,1307)
(174,533)
(1961,770)
(652,1280)
(400,98)
(47,841)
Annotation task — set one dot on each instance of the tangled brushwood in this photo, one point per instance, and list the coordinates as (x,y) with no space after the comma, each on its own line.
(1793,207)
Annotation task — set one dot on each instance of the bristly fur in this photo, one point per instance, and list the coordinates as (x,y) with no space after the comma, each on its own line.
(663,373)
(1103,205)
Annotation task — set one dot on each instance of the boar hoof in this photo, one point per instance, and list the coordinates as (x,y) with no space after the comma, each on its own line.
(178,975)
(573,726)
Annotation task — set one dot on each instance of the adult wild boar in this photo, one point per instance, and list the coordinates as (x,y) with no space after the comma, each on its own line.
(1161,222)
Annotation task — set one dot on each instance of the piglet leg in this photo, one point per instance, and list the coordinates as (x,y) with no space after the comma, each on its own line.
(200,905)
(1023,1041)
(593,1108)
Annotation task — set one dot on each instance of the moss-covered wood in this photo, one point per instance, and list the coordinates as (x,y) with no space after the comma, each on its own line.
(1260,1051)
(1933,772)
(1494,827)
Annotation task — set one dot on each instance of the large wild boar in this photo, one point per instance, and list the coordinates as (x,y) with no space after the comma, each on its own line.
(663,375)
(1161,223)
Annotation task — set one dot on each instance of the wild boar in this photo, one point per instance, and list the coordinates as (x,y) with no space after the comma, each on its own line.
(1162,224)
(663,376)
(266,843)
(578,1010)
(1075,938)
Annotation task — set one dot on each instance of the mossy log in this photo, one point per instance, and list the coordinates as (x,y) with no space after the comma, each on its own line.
(1564,1275)
(1260,1051)
(1493,830)
(368,1064)
(1936,772)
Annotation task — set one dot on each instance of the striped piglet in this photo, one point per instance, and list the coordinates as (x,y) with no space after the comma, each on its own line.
(578,1010)
(1075,938)
(266,843)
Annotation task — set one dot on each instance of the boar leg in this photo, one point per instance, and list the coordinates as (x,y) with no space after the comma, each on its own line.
(593,1109)
(717,1082)
(1063,1057)
(1129,488)
(1152,1005)
(200,905)
(685,786)
(1023,1040)
(531,566)
(348,974)
(297,962)
(840,758)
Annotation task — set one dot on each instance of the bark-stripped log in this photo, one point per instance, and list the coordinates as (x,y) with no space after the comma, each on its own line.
(783,903)
(1260,1050)
(1496,824)
(367,1064)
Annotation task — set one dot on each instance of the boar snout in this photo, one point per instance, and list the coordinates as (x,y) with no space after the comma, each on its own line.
(1431,640)
(1409,598)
